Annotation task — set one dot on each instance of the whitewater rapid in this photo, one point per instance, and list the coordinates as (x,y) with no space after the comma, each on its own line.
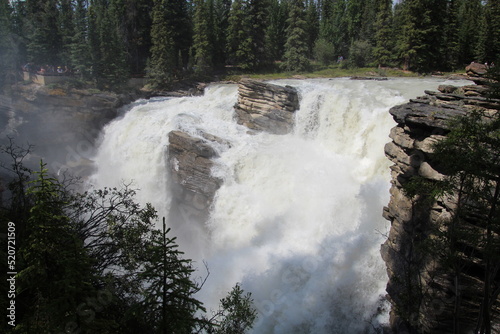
(298,218)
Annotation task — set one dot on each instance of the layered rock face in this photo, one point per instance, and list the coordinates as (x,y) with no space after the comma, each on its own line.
(62,124)
(261,107)
(266,107)
(193,186)
(419,288)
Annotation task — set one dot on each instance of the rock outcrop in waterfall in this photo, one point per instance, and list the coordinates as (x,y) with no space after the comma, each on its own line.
(266,107)
(422,294)
(190,164)
(261,106)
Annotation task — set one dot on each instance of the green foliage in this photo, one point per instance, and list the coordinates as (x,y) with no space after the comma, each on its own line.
(162,65)
(296,48)
(276,30)
(236,314)
(324,52)
(56,275)
(469,157)
(360,54)
(93,262)
(383,36)
(169,302)
(202,46)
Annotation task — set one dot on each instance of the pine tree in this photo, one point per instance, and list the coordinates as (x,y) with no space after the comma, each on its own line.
(6,42)
(45,40)
(491,32)
(276,31)
(220,24)
(469,20)
(296,49)
(236,33)
(257,26)
(169,303)
(67,29)
(383,36)
(202,45)
(312,19)
(421,39)
(162,64)
(56,275)
(80,45)
(137,26)
(111,66)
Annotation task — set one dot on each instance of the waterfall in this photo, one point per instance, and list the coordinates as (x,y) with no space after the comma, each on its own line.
(298,219)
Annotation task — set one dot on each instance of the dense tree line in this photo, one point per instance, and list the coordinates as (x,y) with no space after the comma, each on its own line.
(93,262)
(109,40)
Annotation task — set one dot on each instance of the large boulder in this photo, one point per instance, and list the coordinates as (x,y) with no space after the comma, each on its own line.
(476,69)
(266,107)
(190,164)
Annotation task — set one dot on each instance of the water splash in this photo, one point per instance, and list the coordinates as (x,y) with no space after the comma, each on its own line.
(298,218)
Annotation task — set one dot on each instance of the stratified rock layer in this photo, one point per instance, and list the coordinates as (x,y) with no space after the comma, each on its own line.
(190,164)
(419,287)
(266,107)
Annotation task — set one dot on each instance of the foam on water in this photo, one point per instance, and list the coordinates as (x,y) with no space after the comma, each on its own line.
(298,218)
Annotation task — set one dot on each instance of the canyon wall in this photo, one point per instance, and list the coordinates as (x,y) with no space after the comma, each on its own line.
(62,124)
(423,294)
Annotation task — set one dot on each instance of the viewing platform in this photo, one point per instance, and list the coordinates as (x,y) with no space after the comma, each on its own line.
(44,79)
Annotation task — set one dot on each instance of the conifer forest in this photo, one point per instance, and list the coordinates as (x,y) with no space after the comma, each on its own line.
(106,41)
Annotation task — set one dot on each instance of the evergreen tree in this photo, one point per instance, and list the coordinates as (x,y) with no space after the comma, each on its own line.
(202,45)
(111,66)
(469,18)
(220,24)
(312,20)
(421,38)
(56,275)
(45,40)
(180,26)
(276,30)
(169,303)
(340,36)
(236,314)
(451,44)
(296,49)
(236,40)
(80,45)
(491,32)
(137,26)
(257,26)
(161,67)
(6,43)
(67,29)
(383,36)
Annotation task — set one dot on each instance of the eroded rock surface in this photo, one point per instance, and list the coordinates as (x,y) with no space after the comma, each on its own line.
(266,107)
(190,163)
(419,287)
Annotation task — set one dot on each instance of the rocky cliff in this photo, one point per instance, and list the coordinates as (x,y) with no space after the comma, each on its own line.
(63,124)
(422,294)
(266,107)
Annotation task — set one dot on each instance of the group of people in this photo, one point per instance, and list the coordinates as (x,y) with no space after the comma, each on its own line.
(46,69)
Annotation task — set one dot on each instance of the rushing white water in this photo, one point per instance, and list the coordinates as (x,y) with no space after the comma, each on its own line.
(298,218)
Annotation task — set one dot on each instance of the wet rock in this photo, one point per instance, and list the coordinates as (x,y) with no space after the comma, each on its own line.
(266,107)
(190,165)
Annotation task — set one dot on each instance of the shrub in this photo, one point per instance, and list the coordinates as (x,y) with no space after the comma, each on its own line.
(324,51)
